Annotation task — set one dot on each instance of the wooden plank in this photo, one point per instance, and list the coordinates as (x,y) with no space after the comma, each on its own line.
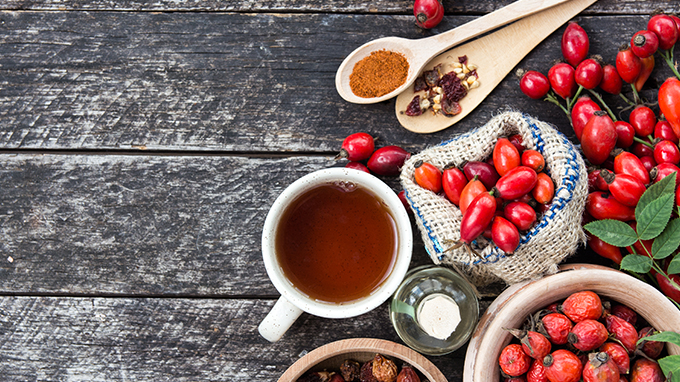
(139,339)
(346,6)
(149,225)
(221,82)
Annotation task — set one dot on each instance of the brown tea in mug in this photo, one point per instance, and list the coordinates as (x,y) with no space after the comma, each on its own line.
(336,242)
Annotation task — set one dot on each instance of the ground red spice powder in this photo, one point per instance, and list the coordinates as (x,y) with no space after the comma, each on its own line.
(378,74)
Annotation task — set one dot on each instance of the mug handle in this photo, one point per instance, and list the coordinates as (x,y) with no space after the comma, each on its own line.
(279,320)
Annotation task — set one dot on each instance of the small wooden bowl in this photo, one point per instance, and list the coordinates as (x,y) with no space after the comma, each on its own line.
(511,308)
(331,356)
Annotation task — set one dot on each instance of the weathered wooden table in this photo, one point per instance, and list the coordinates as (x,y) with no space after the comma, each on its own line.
(142,144)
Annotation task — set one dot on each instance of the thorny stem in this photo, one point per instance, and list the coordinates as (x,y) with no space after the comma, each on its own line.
(646,143)
(599,98)
(668,57)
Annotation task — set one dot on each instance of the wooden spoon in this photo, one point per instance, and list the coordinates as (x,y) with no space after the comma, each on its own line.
(419,52)
(495,55)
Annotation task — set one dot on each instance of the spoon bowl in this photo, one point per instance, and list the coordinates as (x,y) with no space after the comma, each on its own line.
(495,55)
(419,52)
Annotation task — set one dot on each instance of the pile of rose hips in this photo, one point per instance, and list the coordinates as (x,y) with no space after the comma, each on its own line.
(496,197)
(582,338)
(626,156)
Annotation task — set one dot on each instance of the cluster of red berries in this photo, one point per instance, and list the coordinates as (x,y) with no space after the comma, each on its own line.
(359,149)
(497,197)
(627,156)
(582,339)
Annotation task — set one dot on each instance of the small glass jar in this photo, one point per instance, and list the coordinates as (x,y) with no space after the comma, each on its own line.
(422,284)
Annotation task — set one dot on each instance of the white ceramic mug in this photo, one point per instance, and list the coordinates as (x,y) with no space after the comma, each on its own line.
(293,302)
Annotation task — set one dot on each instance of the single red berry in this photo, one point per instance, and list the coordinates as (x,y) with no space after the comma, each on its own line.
(404,200)
(533,159)
(562,366)
(666,152)
(513,361)
(642,150)
(428,13)
(453,183)
(665,29)
(477,217)
(589,73)
(626,189)
(504,234)
(618,354)
(643,120)
(534,344)
(644,43)
(557,327)
(581,112)
(561,77)
(536,372)
(469,193)
(582,305)
(428,176)
(517,141)
(645,370)
(624,312)
(662,170)
(648,162)
(598,138)
(625,133)
(520,214)
(505,156)
(588,335)
(611,80)
(623,331)
(575,44)
(602,205)
(357,166)
(387,161)
(652,349)
(663,130)
(357,147)
(516,183)
(534,84)
(628,65)
(600,368)
(604,249)
(485,172)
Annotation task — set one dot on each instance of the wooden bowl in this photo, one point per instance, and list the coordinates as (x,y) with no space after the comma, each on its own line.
(331,356)
(511,308)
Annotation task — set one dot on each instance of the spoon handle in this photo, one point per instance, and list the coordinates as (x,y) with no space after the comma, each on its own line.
(512,12)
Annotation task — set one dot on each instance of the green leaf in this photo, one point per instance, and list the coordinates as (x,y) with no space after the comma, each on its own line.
(613,232)
(674,267)
(667,336)
(668,241)
(652,220)
(665,186)
(670,366)
(636,263)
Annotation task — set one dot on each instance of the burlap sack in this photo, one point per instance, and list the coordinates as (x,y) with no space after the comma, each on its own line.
(555,236)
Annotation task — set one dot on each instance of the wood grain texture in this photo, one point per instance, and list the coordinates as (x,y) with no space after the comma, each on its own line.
(223,82)
(149,225)
(344,6)
(150,339)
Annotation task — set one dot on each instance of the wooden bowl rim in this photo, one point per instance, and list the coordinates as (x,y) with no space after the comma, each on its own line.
(370,345)
(506,304)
